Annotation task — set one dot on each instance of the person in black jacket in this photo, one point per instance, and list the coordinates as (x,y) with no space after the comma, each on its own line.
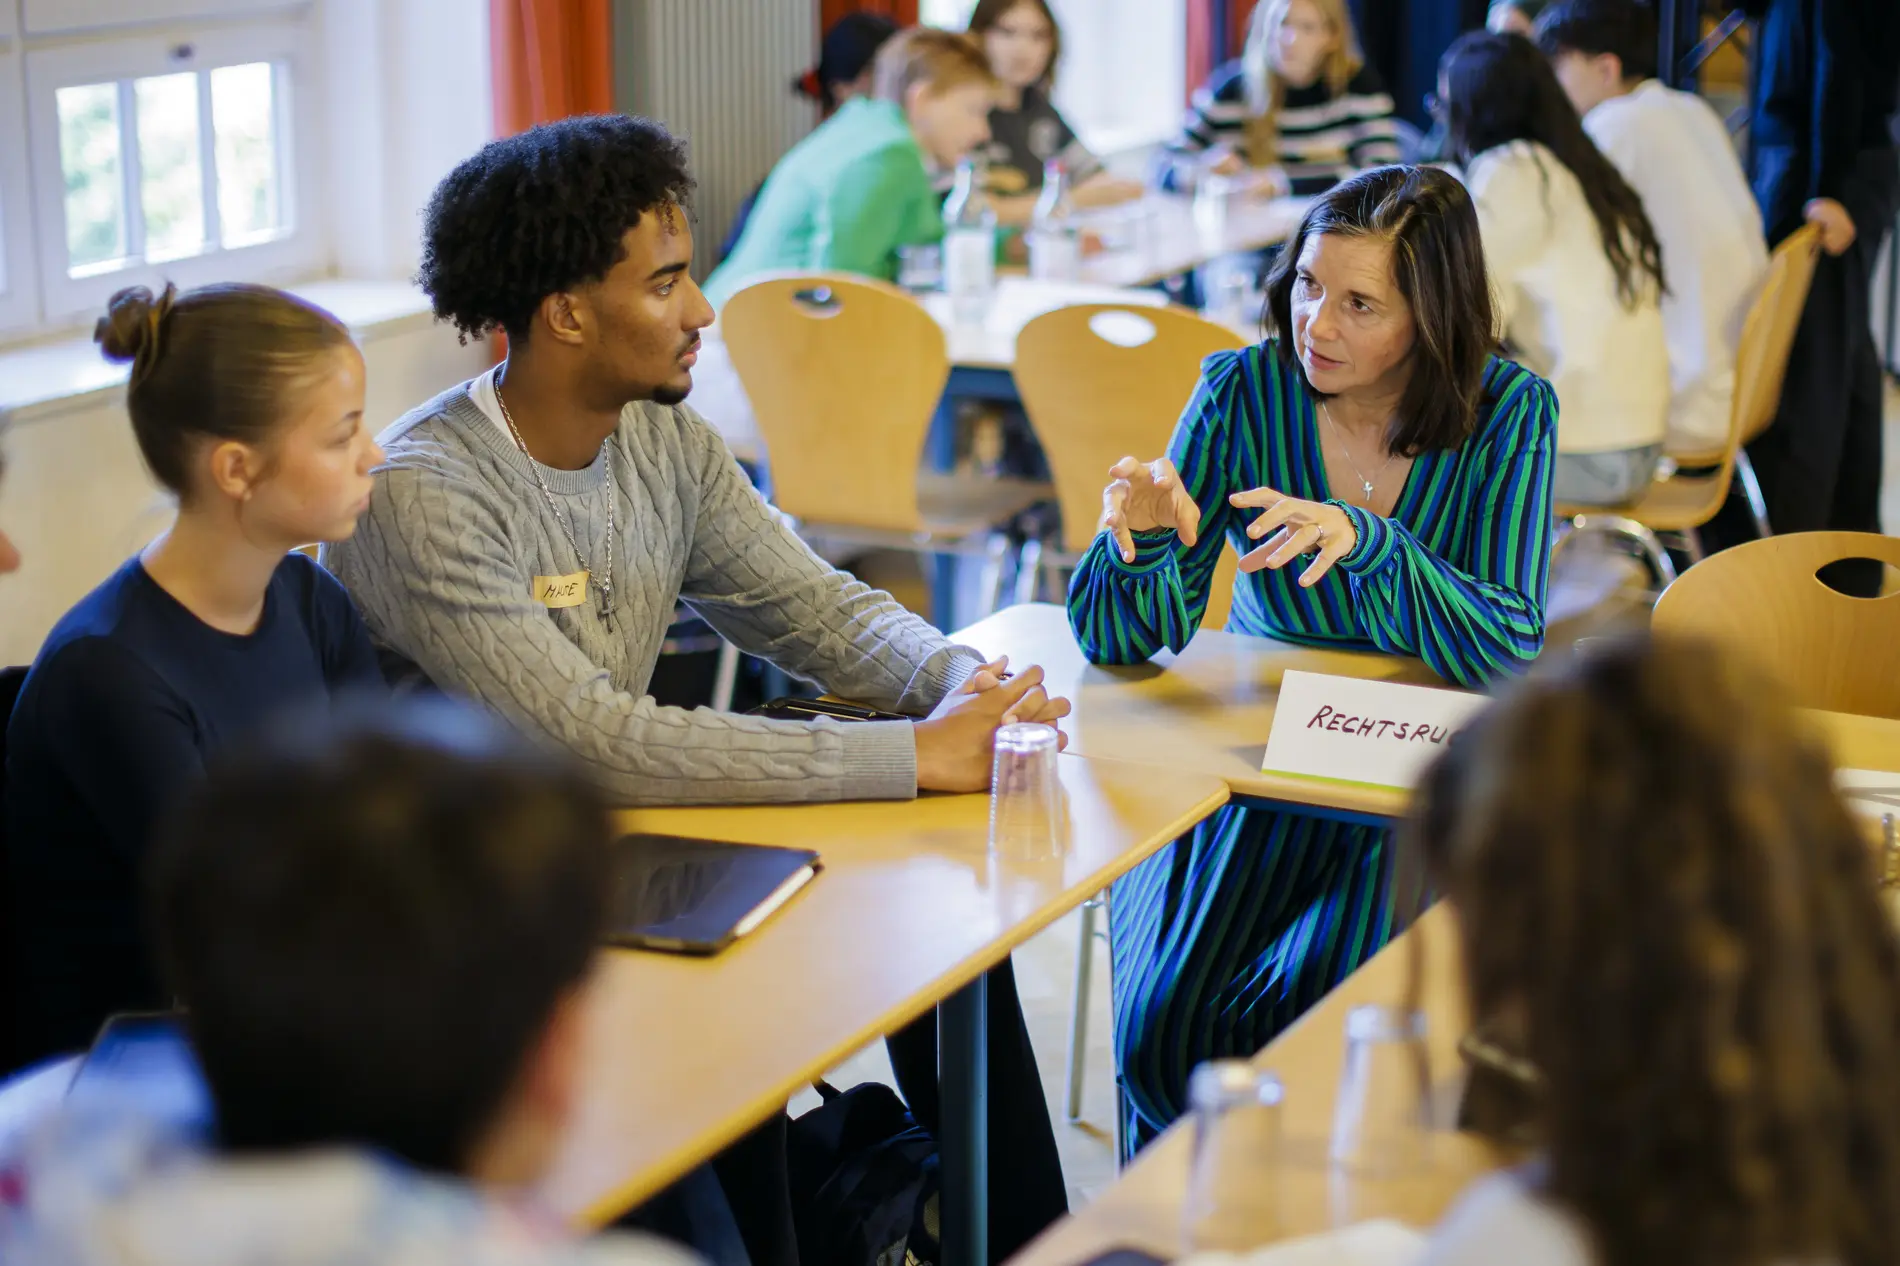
(1826,91)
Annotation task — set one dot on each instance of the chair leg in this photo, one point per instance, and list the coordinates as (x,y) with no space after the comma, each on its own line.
(1646,540)
(1751,489)
(1079,1010)
(727,677)
(1028,570)
(991,587)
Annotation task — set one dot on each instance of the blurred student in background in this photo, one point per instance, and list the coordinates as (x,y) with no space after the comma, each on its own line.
(844,73)
(1823,150)
(1672,935)
(850,195)
(1299,112)
(1024,44)
(1514,17)
(248,406)
(1573,259)
(1674,151)
(383,931)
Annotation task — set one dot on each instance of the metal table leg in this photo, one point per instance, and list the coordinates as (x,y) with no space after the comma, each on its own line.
(963,1073)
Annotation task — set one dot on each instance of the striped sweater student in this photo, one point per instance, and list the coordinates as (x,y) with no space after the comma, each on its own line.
(1225,938)
(1323,137)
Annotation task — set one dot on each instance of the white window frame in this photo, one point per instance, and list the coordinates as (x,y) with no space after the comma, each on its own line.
(19,271)
(300,251)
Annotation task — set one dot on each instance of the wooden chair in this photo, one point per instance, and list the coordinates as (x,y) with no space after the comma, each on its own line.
(1763,600)
(1683,503)
(844,375)
(1095,395)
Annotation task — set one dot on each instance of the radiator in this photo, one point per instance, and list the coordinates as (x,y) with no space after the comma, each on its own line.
(719,74)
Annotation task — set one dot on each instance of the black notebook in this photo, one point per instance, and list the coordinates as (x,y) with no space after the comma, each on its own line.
(690,896)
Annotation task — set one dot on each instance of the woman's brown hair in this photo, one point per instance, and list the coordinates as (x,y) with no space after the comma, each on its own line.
(1438,264)
(214,363)
(1658,885)
(940,60)
(990,12)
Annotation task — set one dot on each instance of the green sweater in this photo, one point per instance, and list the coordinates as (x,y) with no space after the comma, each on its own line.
(843,200)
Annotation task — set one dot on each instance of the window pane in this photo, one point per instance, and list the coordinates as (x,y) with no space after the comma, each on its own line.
(89,158)
(171,171)
(244,113)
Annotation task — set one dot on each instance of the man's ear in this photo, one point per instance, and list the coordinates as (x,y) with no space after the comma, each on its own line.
(1611,67)
(563,316)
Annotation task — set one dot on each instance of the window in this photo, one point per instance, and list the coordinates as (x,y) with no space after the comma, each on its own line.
(167,159)
(19,286)
(952,15)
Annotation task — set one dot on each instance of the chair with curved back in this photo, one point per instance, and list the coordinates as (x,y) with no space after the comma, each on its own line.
(1683,503)
(844,375)
(1764,600)
(1101,382)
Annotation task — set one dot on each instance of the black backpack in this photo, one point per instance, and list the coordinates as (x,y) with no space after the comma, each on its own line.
(864,1181)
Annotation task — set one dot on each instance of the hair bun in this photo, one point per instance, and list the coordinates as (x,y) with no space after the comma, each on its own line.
(129,331)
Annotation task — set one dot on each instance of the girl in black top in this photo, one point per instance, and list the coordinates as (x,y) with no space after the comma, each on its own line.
(1024,43)
(1299,112)
(248,405)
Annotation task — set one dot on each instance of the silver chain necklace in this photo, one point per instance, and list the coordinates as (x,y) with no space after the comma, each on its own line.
(602,581)
(1364,483)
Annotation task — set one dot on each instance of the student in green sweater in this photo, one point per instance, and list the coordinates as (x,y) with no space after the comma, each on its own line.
(857,189)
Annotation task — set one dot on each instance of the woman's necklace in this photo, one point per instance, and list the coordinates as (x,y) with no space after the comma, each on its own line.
(1365,484)
(602,581)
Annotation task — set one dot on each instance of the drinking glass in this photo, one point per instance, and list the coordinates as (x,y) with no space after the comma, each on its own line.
(1381,1119)
(920,268)
(1023,792)
(1233,1194)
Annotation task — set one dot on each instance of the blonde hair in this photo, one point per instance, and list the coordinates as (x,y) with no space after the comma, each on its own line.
(940,60)
(1266,90)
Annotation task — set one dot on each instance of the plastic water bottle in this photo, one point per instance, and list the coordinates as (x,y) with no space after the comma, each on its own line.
(1055,241)
(969,246)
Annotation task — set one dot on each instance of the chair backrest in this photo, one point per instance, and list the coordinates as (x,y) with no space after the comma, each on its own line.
(1220,597)
(1093,401)
(1763,601)
(844,375)
(1761,358)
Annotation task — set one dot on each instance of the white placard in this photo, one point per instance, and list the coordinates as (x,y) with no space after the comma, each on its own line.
(1348,729)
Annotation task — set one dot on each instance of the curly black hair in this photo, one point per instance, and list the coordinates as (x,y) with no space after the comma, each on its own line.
(541,212)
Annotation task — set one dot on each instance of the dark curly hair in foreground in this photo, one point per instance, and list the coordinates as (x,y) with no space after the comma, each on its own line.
(542,212)
(1654,876)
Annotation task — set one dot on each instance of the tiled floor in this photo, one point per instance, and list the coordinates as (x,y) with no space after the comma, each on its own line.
(1046,966)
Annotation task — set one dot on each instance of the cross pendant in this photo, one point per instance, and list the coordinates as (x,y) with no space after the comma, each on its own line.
(1368,488)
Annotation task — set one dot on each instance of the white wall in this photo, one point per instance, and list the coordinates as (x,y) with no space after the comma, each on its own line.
(78,501)
(408,97)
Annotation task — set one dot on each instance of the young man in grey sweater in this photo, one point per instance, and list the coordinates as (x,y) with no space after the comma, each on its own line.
(532,530)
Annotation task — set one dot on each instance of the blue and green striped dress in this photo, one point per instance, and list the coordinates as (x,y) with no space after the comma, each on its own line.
(1225,937)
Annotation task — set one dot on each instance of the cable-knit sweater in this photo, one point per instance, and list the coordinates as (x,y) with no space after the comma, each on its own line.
(443,568)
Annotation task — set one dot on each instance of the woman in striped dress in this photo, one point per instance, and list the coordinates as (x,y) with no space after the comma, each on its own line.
(1404,472)
(1300,110)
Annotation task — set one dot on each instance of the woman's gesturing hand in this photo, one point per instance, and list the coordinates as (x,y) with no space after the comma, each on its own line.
(1144,496)
(1297,528)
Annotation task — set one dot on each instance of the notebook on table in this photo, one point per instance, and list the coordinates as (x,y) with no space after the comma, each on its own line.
(689,896)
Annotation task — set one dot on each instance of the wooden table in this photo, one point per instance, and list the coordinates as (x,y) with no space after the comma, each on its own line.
(1143,1208)
(685,1055)
(1209,709)
(1166,240)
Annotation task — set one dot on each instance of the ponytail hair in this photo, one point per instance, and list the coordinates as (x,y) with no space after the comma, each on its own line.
(213,363)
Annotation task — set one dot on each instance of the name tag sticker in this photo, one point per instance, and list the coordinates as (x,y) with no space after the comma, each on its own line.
(557,592)
(1347,729)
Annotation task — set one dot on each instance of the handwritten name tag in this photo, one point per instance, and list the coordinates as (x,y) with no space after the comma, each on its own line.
(556,592)
(1347,729)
